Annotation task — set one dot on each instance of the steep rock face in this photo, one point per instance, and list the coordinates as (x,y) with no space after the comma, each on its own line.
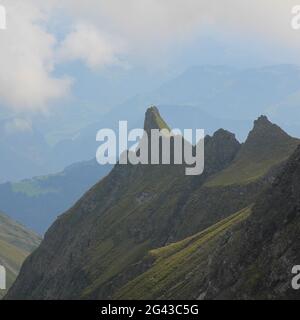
(153,120)
(261,254)
(249,255)
(221,148)
(100,244)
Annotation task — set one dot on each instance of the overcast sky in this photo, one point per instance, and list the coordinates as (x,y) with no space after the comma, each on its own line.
(44,35)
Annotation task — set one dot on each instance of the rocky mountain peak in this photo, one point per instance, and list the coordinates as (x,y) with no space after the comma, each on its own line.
(265,130)
(222,135)
(153,120)
(221,148)
(262,120)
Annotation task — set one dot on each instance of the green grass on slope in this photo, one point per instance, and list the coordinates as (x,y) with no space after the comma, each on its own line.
(11,258)
(161,123)
(32,188)
(176,263)
(13,255)
(15,234)
(117,248)
(16,243)
(254,164)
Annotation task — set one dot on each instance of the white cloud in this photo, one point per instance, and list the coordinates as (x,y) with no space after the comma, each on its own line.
(87,43)
(26,59)
(148,28)
(157,24)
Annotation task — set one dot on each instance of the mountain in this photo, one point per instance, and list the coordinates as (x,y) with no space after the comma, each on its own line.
(228,92)
(105,241)
(249,255)
(266,146)
(37,202)
(178,270)
(206,97)
(84,145)
(16,243)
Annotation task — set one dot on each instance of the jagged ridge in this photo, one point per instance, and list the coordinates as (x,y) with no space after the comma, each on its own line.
(267,145)
(98,245)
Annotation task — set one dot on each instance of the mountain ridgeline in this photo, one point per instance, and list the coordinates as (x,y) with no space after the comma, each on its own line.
(151,232)
(207,97)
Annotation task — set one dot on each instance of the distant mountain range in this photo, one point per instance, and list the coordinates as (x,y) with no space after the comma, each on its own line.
(150,232)
(231,93)
(16,243)
(209,97)
(37,202)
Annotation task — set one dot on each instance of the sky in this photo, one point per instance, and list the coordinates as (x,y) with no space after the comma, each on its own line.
(46,42)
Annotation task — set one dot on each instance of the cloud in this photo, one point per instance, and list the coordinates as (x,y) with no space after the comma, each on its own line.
(157,24)
(88,44)
(31,50)
(27,60)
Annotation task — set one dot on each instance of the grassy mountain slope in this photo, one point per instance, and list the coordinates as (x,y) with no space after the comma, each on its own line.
(235,187)
(249,255)
(266,146)
(128,213)
(263,251)
(25,201)
(99,245)
(16,243)
(174,268)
